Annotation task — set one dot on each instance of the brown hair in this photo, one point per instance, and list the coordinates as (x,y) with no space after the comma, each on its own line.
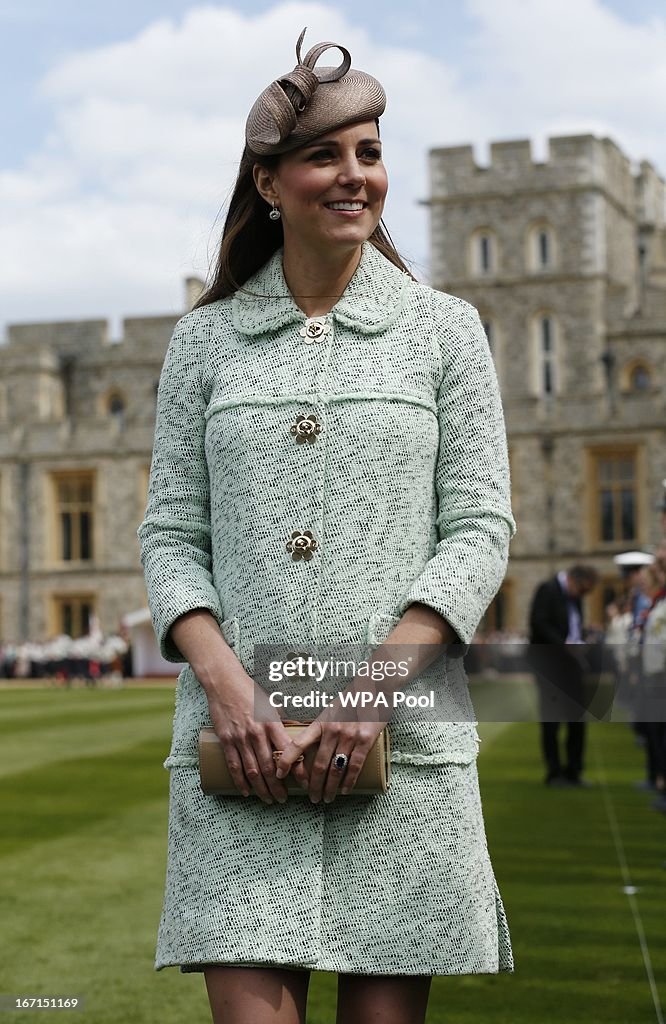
(585,574)
(250,237)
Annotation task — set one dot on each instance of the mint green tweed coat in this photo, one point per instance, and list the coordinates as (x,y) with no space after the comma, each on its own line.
(402,497)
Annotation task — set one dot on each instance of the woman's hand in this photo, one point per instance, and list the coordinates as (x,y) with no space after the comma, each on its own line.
(250,730)
(244,721)
(355,739)
(419,637)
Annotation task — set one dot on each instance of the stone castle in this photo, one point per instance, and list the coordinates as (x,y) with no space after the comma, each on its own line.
(566,262)
(76,433)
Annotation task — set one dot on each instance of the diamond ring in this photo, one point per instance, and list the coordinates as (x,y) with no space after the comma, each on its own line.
(340,762)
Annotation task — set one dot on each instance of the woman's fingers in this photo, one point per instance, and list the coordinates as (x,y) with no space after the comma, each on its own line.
(342,779)
(254,774)
(235,766)
(329,745)
(295,748)
(355,745)
(259,765)
(253,766)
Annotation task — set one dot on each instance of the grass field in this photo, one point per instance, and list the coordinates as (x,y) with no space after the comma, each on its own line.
(83,811)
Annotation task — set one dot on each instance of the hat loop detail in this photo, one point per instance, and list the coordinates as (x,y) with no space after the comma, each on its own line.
(315,52)
(294,109)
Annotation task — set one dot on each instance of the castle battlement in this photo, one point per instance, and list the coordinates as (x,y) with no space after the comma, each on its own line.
(573,161)
(67,335)
(88,339)
(650,196)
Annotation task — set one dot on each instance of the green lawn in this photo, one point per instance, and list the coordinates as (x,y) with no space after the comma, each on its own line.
(83,807)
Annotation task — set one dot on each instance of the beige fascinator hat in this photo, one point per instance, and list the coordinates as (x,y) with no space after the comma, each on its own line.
(307,102)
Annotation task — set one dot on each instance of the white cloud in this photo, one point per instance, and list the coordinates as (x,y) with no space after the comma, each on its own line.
(574,65)
(120,201)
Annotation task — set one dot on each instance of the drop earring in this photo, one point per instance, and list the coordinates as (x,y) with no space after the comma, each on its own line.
(274,213)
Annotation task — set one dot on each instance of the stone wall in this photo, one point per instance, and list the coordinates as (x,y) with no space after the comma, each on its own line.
(75,402)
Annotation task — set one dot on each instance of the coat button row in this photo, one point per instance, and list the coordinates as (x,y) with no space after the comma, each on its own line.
(306,429)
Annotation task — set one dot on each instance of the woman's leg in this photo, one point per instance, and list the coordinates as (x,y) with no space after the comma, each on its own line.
(260,995)
(382,999)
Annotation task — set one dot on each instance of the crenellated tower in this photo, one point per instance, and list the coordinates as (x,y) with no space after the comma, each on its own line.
(566,261)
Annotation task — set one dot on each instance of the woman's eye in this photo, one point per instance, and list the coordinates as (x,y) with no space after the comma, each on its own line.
(321,154)
(372,154)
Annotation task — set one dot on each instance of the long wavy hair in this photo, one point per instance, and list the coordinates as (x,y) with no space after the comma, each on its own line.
(250,237)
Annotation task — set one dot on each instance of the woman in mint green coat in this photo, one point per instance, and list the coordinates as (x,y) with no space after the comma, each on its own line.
(329,467)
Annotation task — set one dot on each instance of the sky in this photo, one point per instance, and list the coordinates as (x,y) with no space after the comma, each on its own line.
(122,124)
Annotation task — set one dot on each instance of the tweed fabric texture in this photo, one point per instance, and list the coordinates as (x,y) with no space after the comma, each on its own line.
(399,883)
(406,490)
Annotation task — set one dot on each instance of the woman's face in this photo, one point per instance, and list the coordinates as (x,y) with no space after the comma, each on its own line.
(331,192)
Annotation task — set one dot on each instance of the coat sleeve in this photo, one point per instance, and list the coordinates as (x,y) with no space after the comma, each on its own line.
(175,535)
(474,521)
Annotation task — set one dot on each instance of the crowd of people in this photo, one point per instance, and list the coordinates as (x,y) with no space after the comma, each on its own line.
(567,658)
(64,659)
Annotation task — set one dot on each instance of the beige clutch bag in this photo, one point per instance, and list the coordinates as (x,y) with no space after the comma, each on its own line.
(216,780)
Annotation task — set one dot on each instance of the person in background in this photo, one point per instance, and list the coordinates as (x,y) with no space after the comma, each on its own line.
(557,659)
(618,625)
(653,674)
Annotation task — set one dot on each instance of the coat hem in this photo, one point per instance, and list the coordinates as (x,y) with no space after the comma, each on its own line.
(200,966)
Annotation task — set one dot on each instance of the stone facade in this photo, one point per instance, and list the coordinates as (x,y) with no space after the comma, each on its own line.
(578,241)
(74,406)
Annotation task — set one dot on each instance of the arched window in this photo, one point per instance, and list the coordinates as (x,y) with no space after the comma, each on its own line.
(116,404)
(541,247)
(544,256)
(483,253)
(640,379)
(112,403)
(636,377)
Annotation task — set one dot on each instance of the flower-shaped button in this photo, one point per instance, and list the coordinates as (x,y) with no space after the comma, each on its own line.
(302,545)
(314,329)
(305,429)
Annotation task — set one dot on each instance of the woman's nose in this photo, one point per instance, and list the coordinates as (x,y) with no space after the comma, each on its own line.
(352,174)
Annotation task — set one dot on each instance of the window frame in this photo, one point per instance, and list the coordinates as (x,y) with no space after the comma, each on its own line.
(57,602)
(542,359)
(533,249)
(628,371)
(594,455)
(74,476)
(475,259)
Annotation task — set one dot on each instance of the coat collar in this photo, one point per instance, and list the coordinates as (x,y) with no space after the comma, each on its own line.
(371,302)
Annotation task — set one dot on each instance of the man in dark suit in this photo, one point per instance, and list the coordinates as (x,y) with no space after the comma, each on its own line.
(556,630)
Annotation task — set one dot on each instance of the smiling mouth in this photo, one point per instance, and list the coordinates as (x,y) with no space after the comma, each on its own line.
(353,207)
